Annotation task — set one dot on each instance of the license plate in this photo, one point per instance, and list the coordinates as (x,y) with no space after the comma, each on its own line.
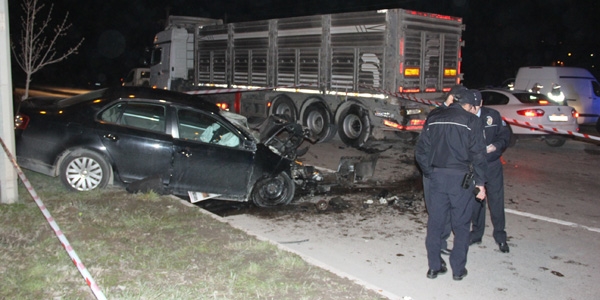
(555,118)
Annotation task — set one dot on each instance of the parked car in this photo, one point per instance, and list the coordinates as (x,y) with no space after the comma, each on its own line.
(127,134)
(524,106)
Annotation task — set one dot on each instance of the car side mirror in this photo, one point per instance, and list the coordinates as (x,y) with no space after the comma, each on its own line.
(249,145)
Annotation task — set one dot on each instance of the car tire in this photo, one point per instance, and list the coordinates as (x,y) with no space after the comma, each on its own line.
(319,121)
(354,126)
(555,140)
(513,138)
(83,170)
(273,191)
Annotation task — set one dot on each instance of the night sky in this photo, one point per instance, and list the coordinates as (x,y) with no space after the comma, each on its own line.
(500,35)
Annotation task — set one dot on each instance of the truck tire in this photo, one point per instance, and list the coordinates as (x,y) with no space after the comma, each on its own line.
(272,191)
(354,126)
(598,125)
(283,106)
(318,120)
(83,170)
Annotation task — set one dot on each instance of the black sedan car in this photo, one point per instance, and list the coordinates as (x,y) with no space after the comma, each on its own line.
(128,134)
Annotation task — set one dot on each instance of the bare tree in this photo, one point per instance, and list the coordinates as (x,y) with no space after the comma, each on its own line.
(37,46)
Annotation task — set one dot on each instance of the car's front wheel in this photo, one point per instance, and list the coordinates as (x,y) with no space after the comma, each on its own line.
(83,170)
(555,140)
(273,190)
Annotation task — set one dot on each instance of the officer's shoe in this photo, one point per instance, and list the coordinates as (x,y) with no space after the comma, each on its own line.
(504,247)
(460,276)
(431,274)
(473,242)
(446,251)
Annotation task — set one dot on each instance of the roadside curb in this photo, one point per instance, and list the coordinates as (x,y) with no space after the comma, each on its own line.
(304,257)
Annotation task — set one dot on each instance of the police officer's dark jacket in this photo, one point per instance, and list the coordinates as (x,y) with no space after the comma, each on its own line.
(496,132)
(452,138)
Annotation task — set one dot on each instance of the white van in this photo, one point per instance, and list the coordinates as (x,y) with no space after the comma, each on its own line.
(137,77)
(577,86)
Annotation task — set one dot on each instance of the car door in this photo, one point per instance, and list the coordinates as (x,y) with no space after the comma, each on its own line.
(135,138)
(209,157)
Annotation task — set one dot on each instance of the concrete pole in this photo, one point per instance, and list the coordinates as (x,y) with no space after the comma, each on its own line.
(8,174)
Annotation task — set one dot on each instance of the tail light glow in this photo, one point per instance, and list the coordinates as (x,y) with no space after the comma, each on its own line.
(531,112)
(21,121)
(223,106)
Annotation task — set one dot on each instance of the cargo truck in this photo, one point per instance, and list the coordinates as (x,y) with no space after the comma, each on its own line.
(357,74)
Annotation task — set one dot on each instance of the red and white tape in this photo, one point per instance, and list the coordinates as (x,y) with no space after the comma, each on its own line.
(84,272)
(550,129)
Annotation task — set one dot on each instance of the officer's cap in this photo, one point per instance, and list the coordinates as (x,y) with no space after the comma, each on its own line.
(472,97)
(455,91)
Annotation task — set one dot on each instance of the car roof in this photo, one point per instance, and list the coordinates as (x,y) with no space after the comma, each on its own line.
(141,92)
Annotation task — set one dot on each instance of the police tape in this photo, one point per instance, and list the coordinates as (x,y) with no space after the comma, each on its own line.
(82,270)
(550,129)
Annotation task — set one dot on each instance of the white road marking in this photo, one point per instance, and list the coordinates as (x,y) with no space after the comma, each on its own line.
(551,220)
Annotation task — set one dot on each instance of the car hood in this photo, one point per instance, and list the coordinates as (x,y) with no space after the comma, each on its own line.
(278,134)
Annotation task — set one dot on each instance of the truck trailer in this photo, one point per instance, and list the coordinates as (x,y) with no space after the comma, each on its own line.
(357,74)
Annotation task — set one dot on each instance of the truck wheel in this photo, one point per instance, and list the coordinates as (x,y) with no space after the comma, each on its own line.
(83,170)
(272,191)
(283,106)
(555,140)
(598,125)
(318,120)
(354,126)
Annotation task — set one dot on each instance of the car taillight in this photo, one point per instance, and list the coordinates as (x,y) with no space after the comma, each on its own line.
(21,121)
(574,113)
(531,112)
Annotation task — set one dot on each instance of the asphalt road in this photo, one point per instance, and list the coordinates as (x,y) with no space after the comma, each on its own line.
(553,223)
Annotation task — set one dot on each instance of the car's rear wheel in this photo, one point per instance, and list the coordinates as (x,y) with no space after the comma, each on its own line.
(83,170)
(272,191)
(555,140)
(513,137)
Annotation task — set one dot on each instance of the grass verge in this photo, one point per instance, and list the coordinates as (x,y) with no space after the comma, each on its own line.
(145,246)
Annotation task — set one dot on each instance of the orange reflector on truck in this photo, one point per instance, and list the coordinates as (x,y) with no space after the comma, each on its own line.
(450,72)
(412,72)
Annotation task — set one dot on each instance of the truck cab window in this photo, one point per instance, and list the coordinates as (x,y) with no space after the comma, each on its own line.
(156,56)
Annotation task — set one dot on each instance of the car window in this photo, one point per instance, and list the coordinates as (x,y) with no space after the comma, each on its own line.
(198,126)
(136,114)
(492,98)
(531,98)
(596,88)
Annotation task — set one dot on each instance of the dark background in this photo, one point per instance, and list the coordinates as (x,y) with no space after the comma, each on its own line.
(500,36)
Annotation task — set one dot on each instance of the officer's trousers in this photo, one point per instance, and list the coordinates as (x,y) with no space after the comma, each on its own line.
(448,199)
(495,199)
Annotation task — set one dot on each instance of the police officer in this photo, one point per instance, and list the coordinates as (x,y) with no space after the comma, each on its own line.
(452,96)
(497,138)
(450,145)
